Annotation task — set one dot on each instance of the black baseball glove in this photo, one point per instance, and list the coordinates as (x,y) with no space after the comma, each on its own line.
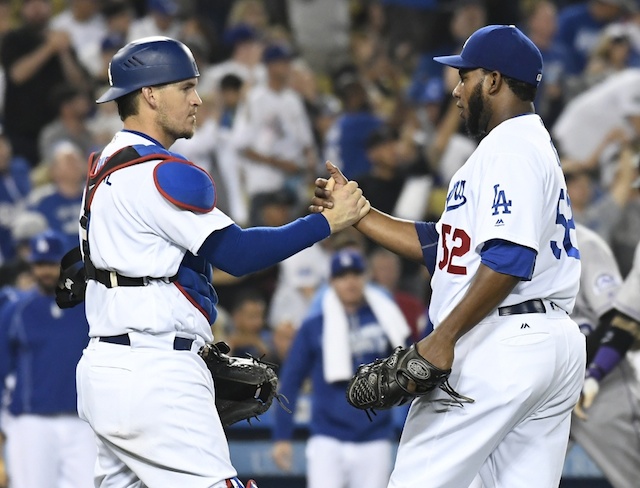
(245,387)
(396,380)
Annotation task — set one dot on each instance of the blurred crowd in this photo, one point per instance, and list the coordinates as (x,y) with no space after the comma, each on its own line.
(288,84)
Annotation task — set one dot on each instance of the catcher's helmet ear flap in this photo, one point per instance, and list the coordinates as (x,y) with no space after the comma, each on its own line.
(148,61)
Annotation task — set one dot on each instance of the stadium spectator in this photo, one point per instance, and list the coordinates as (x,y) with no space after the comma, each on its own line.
(248,331)
(47,444)
(14,188)
(466,17)
(541,25)
(16,272)
(580,25)
(273,134)
(346,144)
(299,278)
(355,324)
(601,212)
(245,61)
(35,59)
(310,22)
(118,16)
(70,124)
(588,119)
(161,19)
(60,200)
(85,24)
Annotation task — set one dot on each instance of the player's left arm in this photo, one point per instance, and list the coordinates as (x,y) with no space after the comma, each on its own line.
(487,290)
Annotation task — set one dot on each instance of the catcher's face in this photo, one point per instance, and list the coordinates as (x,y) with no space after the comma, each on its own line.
(177,104)
(350,288)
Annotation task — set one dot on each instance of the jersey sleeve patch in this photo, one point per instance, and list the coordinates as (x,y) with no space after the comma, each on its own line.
(185,185)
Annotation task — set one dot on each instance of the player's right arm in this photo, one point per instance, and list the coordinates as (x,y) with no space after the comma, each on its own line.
(397,235)
(242,251)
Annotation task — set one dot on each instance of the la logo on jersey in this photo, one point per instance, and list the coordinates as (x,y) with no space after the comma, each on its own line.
(456,198)
(500,202)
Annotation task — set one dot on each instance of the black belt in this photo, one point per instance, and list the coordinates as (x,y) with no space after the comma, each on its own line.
(179,343)
(530,306)
(111,279)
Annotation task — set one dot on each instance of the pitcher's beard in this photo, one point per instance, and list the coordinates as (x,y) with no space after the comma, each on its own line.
(479,114)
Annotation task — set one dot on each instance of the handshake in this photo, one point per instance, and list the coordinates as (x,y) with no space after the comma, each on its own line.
(339,200)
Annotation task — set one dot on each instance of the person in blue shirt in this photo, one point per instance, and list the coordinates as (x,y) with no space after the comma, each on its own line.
(346,144)
(356,323)
(47,444)
(580,25)
(14,188)
(60,201)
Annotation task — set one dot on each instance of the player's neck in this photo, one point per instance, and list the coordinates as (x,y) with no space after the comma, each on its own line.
(135,124)
(509,111)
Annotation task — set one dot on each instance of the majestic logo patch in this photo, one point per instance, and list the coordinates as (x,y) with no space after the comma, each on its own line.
(500,201)
(456,197)
(499,223)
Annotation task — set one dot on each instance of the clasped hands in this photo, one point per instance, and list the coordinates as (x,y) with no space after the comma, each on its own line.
(339,200)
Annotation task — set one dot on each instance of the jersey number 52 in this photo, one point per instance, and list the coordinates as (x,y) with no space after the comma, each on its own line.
(461,245)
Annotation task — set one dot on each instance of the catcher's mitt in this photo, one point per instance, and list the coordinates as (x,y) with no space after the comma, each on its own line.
(396,380)
(245,387)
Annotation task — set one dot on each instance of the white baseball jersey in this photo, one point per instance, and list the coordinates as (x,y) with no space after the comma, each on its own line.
(599,281)
(135,231)
(275,124)
(588,118)
(511,188)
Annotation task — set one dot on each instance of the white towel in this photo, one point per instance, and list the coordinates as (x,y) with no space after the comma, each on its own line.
(337,360)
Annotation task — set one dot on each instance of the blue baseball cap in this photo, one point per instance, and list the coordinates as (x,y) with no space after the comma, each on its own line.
(502,48)
(240,33)
(47,247)
(277,52)
(347,260)
(433,91)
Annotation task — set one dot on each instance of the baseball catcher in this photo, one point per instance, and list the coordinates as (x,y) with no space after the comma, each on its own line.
(245,387)
(396,380)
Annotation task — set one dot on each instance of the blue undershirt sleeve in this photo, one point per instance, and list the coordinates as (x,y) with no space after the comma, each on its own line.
(240,251)
(428,236)
(508,258)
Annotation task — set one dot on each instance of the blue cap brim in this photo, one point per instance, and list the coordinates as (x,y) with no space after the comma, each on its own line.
(455,61)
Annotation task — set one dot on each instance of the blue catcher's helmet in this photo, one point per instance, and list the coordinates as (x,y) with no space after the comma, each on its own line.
(147,62)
